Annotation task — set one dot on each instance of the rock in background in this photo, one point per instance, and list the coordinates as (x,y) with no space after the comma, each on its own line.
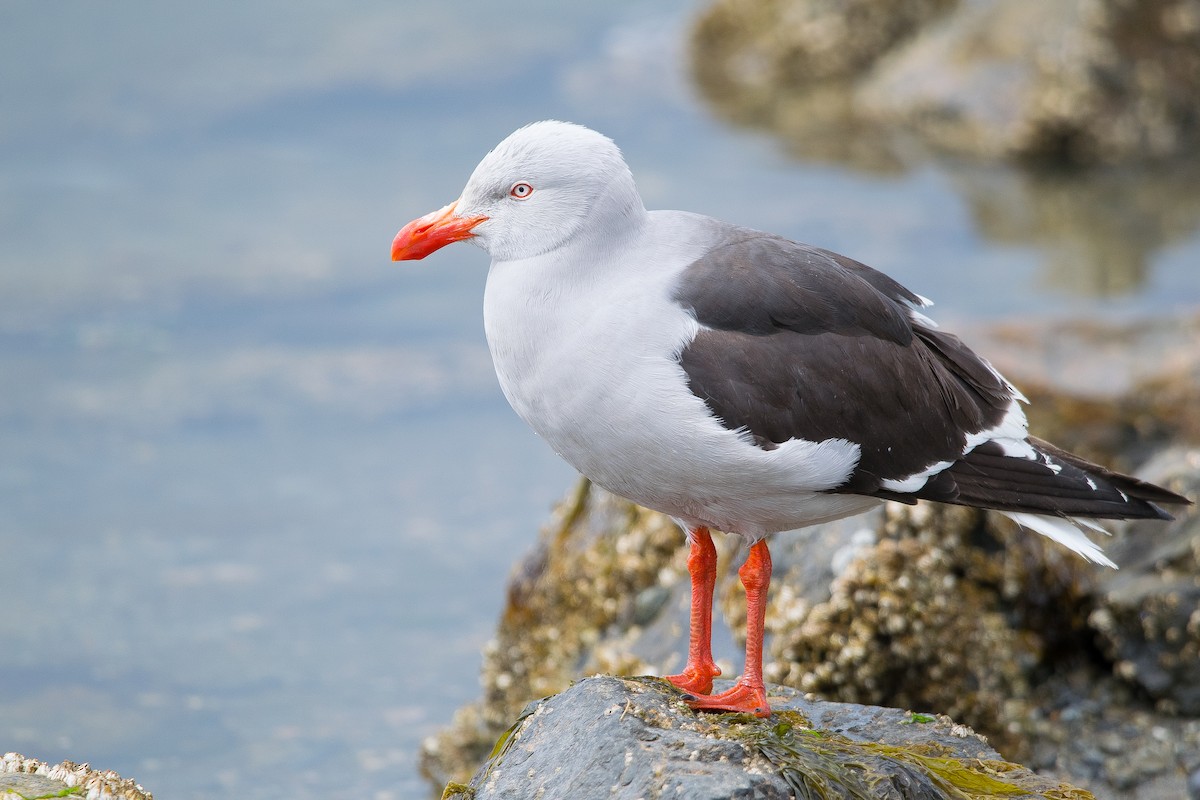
(1081,81)
(1085,674)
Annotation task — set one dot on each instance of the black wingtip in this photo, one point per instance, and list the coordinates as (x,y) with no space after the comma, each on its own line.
(1161,514)
(1137,489)
(1059,483)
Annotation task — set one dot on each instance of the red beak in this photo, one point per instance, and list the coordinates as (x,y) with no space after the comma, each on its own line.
(432,232)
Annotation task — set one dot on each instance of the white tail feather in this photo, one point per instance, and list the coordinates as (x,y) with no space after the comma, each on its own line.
(1065,531)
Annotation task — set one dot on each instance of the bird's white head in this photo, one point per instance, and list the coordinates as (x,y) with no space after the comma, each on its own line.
(547,184)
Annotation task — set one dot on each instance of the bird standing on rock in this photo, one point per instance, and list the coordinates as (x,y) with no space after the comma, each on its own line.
(737,380)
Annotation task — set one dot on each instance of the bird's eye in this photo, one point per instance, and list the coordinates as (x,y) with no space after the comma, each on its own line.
(520,190)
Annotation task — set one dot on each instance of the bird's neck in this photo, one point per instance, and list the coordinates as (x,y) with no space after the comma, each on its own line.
(615,220)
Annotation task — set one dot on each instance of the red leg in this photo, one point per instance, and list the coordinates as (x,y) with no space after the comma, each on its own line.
(749,693)
(697,676)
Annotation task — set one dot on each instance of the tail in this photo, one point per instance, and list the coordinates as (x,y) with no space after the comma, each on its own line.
(1055,493)
(1067,531)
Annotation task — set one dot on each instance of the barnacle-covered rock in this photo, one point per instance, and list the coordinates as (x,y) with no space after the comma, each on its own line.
(24,778)
(1148,613)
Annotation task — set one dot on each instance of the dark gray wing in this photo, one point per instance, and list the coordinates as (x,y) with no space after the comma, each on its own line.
(759,284)
(801,343)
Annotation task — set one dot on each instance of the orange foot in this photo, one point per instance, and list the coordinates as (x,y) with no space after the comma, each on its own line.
(696,679)
(746,697)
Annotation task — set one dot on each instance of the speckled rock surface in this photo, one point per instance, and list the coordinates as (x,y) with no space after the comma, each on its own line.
(24,778)
(1088,81)
(777,42)
(1148,613)
(633,738)
(925,619)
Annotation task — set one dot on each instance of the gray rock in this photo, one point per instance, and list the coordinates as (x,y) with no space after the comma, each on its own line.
(634,738)
(1094,82)
(1098,82)
(28,786)
(1148,614)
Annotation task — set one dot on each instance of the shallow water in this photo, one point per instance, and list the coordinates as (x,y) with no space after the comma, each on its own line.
(259,492)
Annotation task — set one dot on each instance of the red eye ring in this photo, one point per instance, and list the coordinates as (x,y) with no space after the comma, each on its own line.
(520,190)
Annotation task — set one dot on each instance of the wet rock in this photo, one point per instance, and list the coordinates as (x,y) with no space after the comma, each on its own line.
(24,778)
(944,606)
(1096,731)
(634,738)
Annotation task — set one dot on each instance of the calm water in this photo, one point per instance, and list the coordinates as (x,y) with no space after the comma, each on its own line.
(259,492)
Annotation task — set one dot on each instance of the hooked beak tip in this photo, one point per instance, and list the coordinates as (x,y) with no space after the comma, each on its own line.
(432,232)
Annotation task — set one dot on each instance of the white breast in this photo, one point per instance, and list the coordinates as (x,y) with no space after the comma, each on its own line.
(585,351)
